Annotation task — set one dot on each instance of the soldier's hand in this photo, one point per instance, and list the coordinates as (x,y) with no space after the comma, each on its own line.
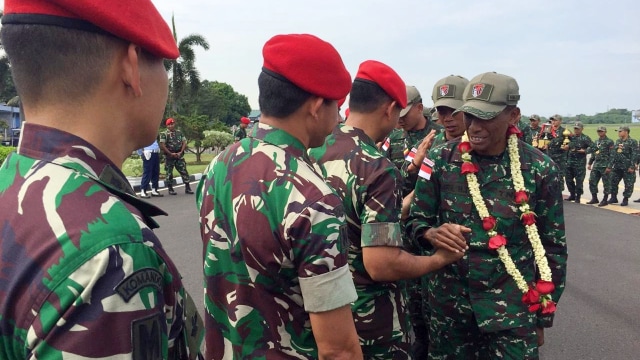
(588,167)
(608,170)
(540,333)
(424,146)
(449,237)
(632,170)
(447,257)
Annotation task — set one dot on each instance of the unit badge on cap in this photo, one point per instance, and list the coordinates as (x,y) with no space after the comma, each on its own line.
(477,90)
(444,90)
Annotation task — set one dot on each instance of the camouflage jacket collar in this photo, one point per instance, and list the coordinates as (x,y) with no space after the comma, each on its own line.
(492,168)
(279,138)
(69,151)
(356,133)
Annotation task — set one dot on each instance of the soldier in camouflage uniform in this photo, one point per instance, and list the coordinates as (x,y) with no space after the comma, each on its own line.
(173,144)
(369,184)
(241,132)
(577,162)
(600,152)
(476,308)
(83,274)
(622,166)
(277,280)
(530,133)
(447,93)
(556,149)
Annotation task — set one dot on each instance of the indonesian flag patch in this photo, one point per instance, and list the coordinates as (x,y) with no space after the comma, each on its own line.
(409,156)
(426,169)
(386,144)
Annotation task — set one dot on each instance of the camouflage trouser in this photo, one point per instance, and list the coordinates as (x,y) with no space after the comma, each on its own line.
(629,180)
(594,178)
(382,324)
(418,306)
(457,339)
(181,167)
(561,162)
(575,174)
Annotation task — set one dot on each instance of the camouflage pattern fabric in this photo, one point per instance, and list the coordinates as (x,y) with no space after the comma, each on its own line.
(577,163)
(477,292)
(557,154)
(624,156)
(401,142)
(84,276)
(440,139)
(600,152)
(173,142)
(369,185)
(275,248)
(240,134)
(529,133)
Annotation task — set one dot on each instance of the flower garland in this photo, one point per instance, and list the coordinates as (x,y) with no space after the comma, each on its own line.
(535,297)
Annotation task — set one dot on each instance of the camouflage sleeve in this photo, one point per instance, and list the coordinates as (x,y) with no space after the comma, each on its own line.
(320,243)
(163,137)
(124,290)
(381,204)
(550,222)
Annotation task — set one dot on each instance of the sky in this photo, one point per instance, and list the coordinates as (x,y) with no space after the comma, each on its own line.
(569,57)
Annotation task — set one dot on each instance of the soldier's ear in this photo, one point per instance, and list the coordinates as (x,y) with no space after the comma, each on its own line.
(514,116)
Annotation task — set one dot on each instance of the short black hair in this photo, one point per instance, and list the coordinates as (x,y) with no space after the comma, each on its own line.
(56,64)
(278,97)
(366,96)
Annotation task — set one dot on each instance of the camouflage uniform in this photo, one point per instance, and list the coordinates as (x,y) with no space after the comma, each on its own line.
(275,249)
(600,155)
(529,133)
(92,266)
(577,164)
(624,156)
(557,154)
(369,185)
(440,139)
(476,307)
(401,142)
(240,133)
(173,142)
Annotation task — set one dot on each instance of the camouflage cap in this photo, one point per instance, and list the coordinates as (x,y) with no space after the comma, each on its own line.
(488,94)
(413,97)
(578,125)
(428,112)
(534,117)
(449,91)
(602,128)
(555,117)
(623,128)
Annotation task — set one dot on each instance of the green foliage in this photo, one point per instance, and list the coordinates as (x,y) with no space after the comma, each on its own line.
(133,165)
(217,139)
(613,116)
(5,151)
(219,101)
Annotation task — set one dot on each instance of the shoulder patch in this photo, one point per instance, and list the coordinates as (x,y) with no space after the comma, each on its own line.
(140,279)
(146,338)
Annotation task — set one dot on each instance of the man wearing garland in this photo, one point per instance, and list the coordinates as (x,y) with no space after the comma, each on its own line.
(503,199)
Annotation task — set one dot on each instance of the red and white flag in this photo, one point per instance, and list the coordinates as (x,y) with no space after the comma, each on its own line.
(426,168)
(386,144)
(411,155)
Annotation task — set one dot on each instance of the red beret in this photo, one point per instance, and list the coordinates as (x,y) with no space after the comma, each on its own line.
(341,101)
(386,78)
(245,120)
(136,21)
(170,121)
(308,62)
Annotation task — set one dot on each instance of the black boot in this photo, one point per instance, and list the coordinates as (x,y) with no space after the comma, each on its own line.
(625,201)
(637,200)
(187,188)
(171,191)
(571,197)
(604,201)
(613,199)
(577,200)
(594,200)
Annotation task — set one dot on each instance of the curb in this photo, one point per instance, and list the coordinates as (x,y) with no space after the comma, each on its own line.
(135,181)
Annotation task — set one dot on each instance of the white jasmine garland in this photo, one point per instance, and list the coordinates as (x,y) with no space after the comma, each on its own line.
(531,230)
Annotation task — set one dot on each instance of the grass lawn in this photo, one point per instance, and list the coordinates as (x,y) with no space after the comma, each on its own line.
(193,167)
(612,130)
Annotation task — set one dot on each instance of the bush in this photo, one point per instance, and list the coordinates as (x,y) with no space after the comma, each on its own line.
(133,165)
(5,151)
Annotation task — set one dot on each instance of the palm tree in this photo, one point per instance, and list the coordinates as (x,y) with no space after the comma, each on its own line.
(184,75)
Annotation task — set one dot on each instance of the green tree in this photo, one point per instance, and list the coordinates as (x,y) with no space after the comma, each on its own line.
(235,105)
(217,140)
(185,77)
(193,128)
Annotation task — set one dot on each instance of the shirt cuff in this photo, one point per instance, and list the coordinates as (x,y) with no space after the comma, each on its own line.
(381,234)
(328,291)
